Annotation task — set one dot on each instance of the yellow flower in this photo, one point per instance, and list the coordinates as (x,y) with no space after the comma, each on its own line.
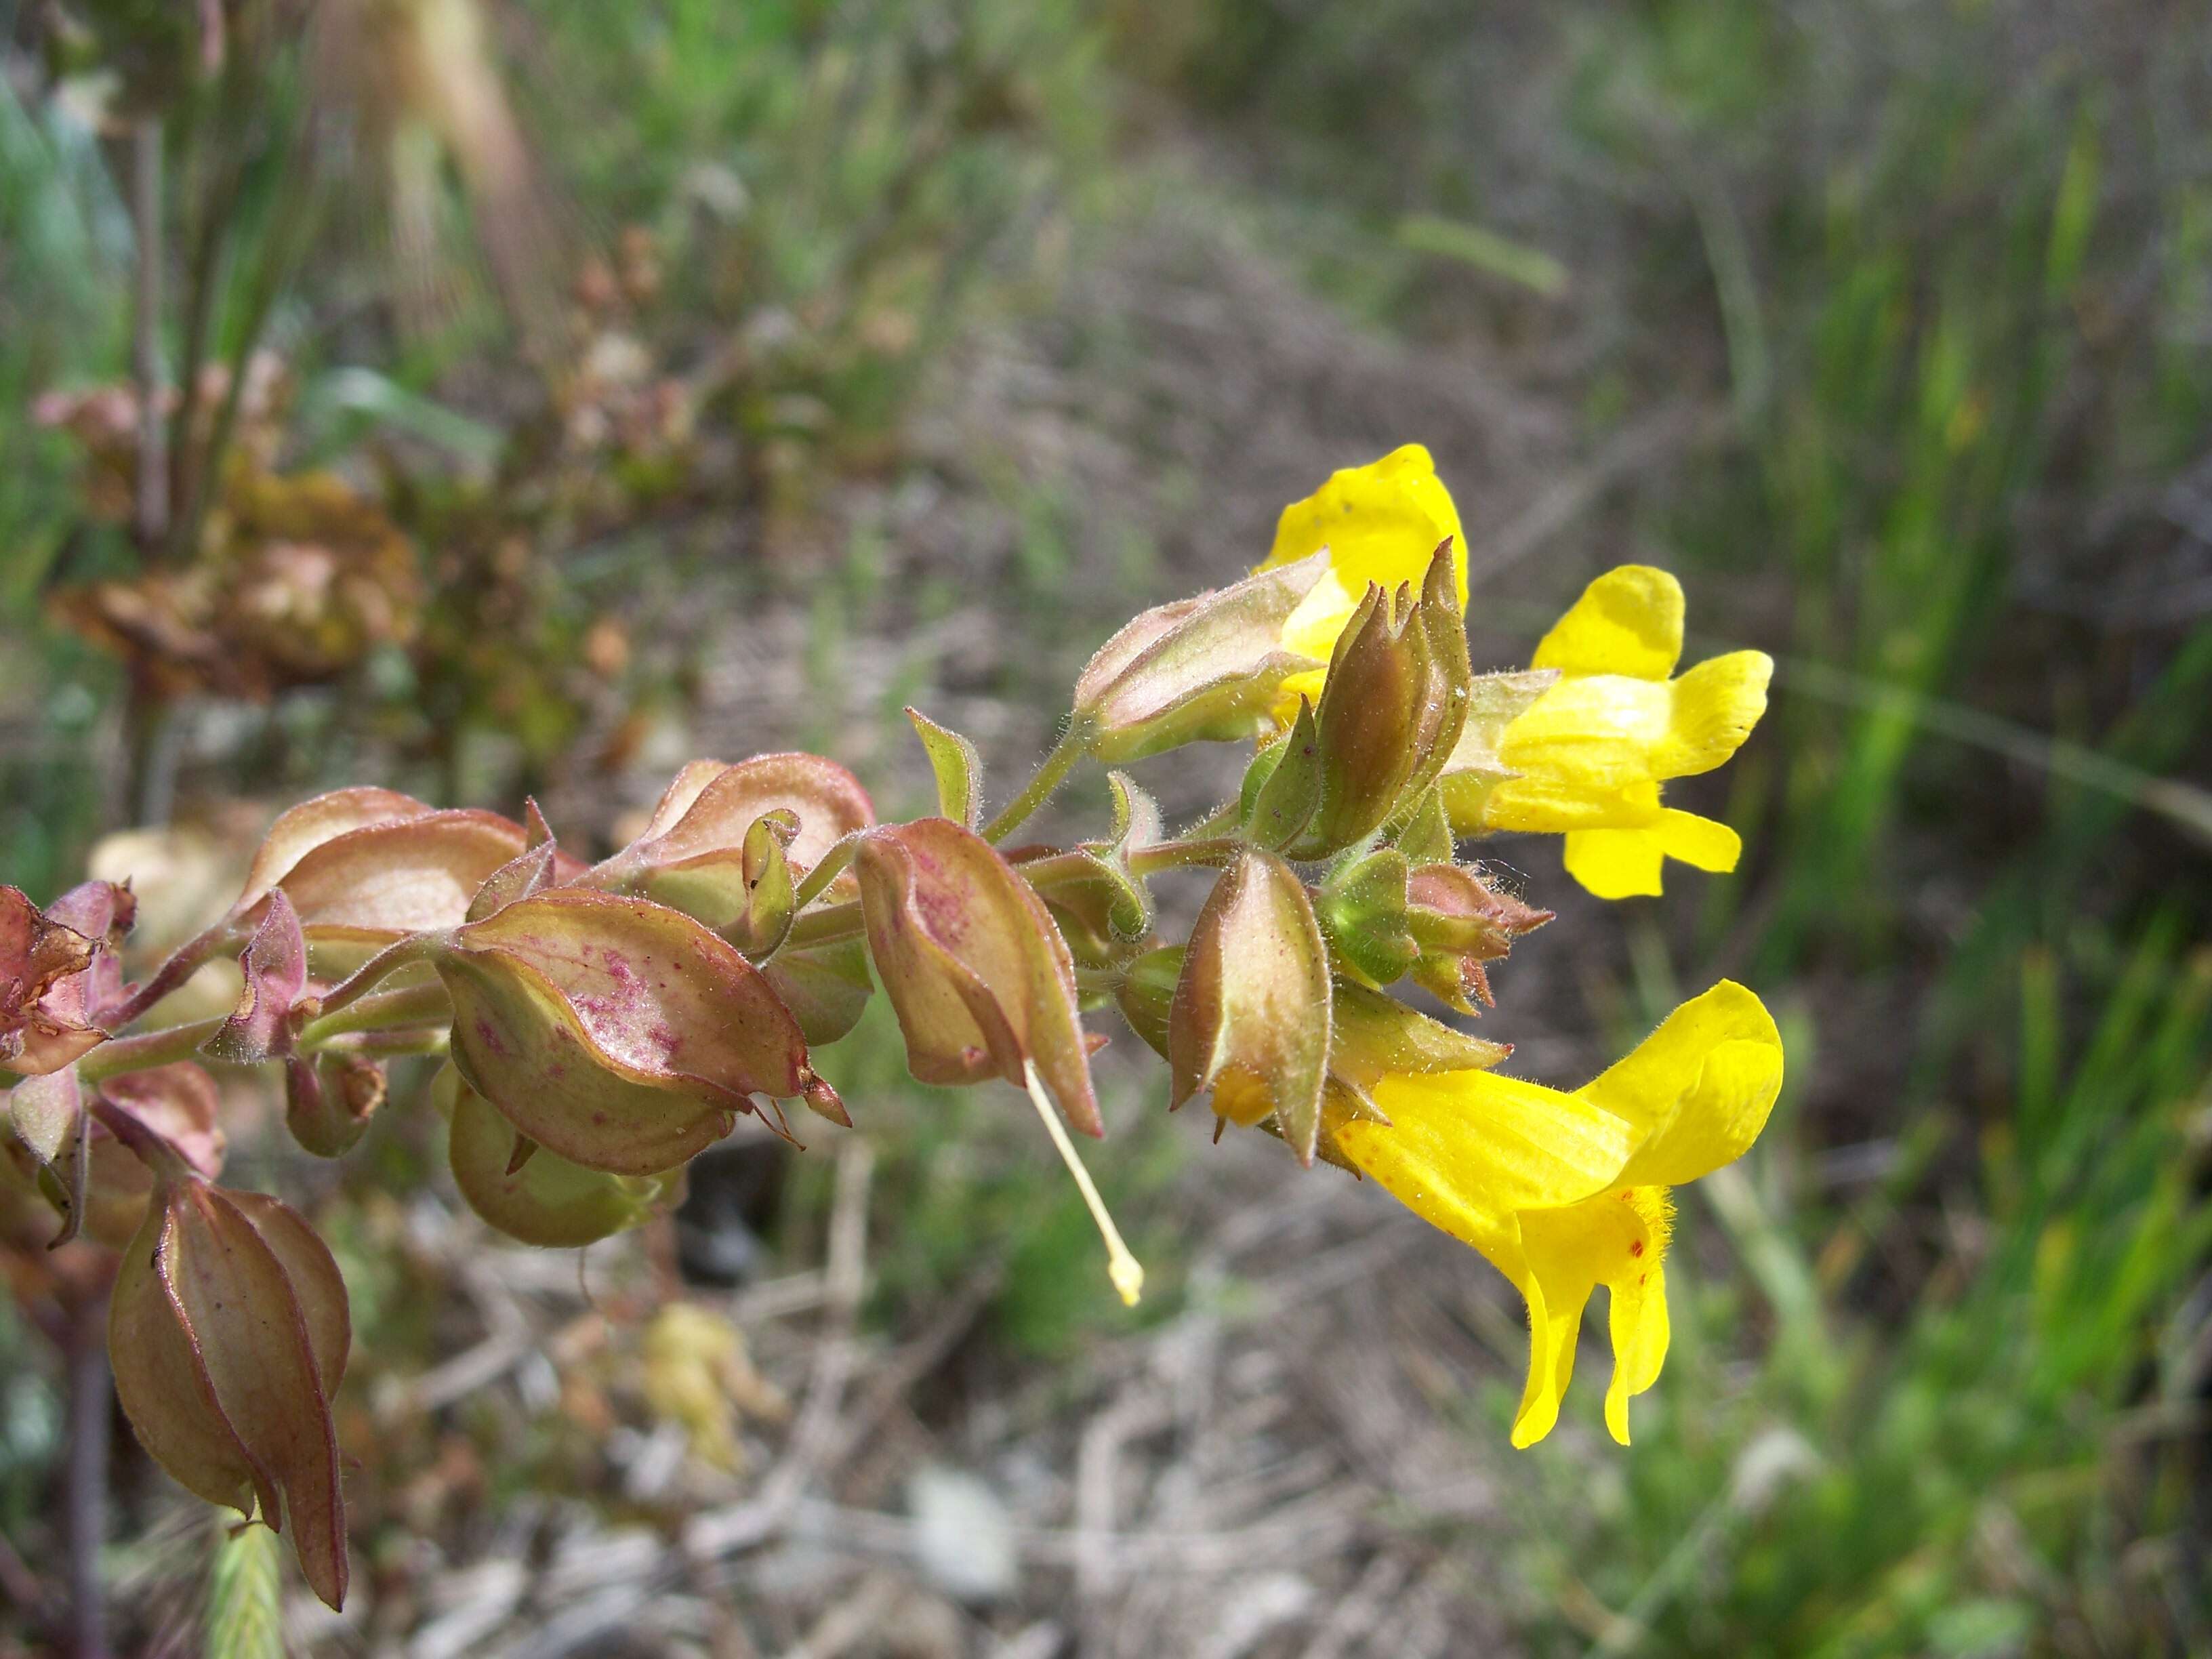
(1380,523)
(1565,1191)
(1591,753)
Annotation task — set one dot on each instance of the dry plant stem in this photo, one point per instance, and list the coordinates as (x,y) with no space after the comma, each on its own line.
(1074,742)
(152,492)
(1122,1267)
(90,1402)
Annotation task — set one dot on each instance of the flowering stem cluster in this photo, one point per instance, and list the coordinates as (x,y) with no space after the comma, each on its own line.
(602,1024)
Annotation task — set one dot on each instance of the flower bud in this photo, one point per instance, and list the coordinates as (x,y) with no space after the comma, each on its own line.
(980,979)
(1361,908)
(228,1332)
(1251,1016)
(1205,668)
(1390,710)
(547,1201)
(328,1099)
(617,1032)
(1461,922)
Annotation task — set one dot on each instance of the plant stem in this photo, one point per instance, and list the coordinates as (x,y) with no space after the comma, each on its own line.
(416,1004)
(842,922)
(411,949)
(152,492)
(824,927)
(146,1050)
(1210,852)
(85,1522)
(1074,744)
(182,964)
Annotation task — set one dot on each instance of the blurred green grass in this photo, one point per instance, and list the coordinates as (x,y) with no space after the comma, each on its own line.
(1948,272)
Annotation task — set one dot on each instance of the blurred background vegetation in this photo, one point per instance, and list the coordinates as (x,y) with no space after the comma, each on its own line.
(599,384)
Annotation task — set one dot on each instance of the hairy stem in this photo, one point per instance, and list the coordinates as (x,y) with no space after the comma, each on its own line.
(146,1049)
(416,1004)
(382,965)
(182,964)
(1074,744)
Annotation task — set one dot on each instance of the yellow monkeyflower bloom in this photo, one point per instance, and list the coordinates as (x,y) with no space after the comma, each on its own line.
(1565,1192)
(1380,523)
(1591,753)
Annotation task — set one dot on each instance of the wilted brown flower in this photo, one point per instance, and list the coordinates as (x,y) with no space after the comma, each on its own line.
(617,1032)
(980,979)
(228,1332)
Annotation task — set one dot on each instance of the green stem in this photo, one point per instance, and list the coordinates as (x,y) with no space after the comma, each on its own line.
(1213,853)
(842,922)
(412,949)
(1074,744)
(824,927)
(416,1004)
(146,1050)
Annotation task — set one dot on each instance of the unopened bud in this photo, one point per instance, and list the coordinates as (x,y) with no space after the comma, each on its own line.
(1460,923)
(1210,667)
(1362,911)
(1251,1020)
(1390,709)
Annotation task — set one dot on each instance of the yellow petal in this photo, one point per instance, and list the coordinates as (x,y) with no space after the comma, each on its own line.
(1698,1090)
(1464,1150)
(1380,523)
(1552,804)
(1601,731)
(1629,621)
(1702,843)
(1619,1240)
(1713,708)
(1640,1333)
(1616,864)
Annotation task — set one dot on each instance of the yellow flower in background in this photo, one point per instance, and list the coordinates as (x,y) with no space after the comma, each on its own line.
(1565,1192)
(1380,523)
(1591,753)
